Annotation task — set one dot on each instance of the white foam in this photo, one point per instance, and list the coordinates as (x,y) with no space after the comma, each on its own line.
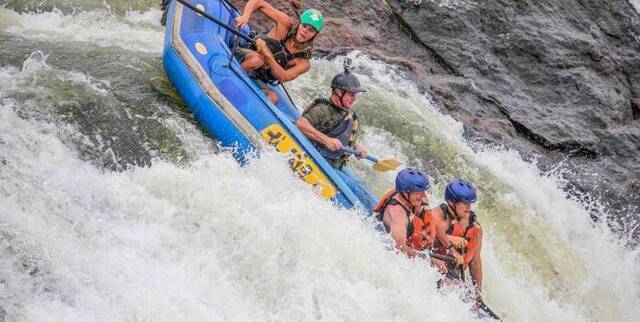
(636,5)
(210,241)
(136,31)
(36,73)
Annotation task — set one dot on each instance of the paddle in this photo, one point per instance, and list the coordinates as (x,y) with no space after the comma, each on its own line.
(380,165)
(487,310)
(231,29)
(442,257)
(481,305)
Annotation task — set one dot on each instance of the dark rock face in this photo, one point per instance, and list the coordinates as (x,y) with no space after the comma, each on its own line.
(560,72)
(560,78)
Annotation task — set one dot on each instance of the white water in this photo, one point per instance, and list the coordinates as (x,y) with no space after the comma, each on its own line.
(137,31)
(636,5)
(208,241)
(213,241)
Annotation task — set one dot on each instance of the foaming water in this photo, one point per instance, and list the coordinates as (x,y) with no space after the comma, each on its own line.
(211,240)
(72,6)
(35,73)
(136,31)
(636,5)
(116,121)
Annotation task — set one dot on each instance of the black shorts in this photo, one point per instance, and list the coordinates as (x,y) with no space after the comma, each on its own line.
(240,54)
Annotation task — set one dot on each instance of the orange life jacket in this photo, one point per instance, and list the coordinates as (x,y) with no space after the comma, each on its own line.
(421,227)
(468,233)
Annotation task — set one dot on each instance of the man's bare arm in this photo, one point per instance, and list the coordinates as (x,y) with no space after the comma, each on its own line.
(284,75)
(282,20)
(398,221)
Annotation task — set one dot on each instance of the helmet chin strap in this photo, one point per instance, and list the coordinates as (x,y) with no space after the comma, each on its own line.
(407,198)
(340,97)
(455,211)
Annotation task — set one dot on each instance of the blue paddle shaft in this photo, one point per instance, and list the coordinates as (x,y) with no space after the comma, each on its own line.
(231,29)
(353,151)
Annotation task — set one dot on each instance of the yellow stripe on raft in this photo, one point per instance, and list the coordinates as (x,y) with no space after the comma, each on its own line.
(299,162)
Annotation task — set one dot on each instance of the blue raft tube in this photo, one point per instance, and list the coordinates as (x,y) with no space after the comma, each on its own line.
(198,60)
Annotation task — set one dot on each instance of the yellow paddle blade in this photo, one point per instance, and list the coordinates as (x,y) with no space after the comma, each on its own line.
(386,165)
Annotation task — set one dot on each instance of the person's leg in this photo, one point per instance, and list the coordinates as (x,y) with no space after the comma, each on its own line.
(273,97)
(252,61)
(249,59)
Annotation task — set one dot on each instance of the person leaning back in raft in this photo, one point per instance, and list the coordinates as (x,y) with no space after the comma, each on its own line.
(284,53)
(456,218)
(405,214)
(332,125)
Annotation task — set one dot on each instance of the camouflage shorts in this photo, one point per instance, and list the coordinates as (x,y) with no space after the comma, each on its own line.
(240,54)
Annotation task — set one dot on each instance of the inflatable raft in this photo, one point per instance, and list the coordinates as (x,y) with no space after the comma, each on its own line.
(198,61)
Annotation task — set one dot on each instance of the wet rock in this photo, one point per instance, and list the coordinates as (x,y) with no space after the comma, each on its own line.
(595,54)
(606,66)
(635,109)
(445,96)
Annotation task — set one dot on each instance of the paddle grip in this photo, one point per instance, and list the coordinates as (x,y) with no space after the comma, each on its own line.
(353,151)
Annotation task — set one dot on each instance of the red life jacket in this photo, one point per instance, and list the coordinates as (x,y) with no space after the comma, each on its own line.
(468,233)
(421,227)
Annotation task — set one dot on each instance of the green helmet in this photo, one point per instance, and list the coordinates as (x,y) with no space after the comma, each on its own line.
(312,17)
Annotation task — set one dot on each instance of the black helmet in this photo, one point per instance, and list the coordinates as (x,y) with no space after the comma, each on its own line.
(346,80)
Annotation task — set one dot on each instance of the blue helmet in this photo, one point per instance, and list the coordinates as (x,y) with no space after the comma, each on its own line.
(460,190)
(411,180)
